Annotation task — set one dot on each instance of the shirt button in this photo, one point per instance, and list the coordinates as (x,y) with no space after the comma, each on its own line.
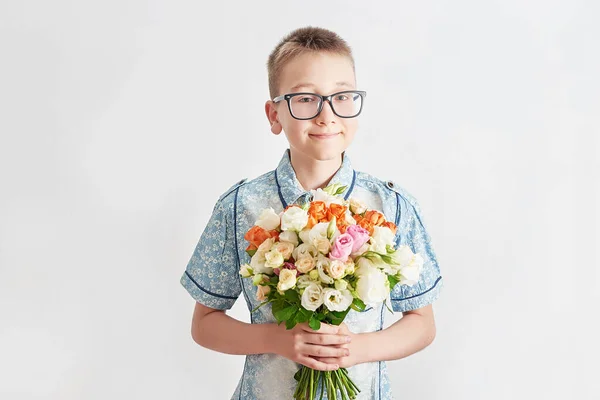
(390,184)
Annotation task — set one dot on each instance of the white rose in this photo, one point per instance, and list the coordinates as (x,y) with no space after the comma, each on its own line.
(409,275)
(245,270)
(285,248)
(294,219)
(290,237)
(373,287)
(322,274)
(403,255)
(287,279)
(274,259)
(320,195)
(304,250)
(319,231)
(382,236)
(357,206)
(312,298)
(262,292)
(305,264)
(257,262)
(268,219)
(336,269)
(337,300)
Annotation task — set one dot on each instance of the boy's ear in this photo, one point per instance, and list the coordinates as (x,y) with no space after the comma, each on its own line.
(271,112)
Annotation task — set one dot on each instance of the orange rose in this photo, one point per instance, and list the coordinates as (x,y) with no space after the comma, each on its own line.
(390,225)
(342,225)
(256,235)
(312,221)
(337,210)
(368,225)
(375,217)
(274,234)
(317,210)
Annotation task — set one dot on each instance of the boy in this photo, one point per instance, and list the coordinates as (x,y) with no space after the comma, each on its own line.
(315,102)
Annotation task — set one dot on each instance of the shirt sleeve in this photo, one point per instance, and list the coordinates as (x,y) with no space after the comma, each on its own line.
(412,232)
(212,273)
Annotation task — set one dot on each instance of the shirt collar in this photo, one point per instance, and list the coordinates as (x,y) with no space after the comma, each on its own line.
(290,189)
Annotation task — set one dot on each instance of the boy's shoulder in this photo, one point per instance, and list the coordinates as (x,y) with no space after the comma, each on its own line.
(254,183)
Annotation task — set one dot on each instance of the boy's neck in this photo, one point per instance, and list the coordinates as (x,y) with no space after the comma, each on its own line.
(311,173)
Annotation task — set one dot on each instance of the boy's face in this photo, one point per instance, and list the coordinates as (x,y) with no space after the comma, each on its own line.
(326,136)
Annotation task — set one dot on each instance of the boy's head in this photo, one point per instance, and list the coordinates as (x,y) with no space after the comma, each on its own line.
(319,62)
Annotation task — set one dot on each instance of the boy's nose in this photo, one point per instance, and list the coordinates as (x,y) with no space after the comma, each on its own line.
(326,116)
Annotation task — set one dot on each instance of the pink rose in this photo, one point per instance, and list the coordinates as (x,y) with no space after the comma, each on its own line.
(360,236)
(342,247)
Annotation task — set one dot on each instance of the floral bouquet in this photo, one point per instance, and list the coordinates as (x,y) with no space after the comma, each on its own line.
(315,262)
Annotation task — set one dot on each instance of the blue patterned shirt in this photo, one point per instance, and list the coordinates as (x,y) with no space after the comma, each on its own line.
(212,274)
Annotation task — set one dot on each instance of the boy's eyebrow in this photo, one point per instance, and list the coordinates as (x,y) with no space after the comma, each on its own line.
(310,85)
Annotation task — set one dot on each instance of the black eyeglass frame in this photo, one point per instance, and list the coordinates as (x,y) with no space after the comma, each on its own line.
(287,97)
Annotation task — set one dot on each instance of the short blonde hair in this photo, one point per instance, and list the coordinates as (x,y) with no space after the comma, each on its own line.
(301,41)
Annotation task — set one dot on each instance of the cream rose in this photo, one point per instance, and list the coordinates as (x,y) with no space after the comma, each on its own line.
(268,219)
(357,206)
(304,250)
(337,269)
(287,279)
(294,219)
(285,248)
(274,259)
(305,264)
(262,292)
(266,245)
(312,298)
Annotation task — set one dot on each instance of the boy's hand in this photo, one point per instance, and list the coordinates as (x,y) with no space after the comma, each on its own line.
(353,347)
(306,346)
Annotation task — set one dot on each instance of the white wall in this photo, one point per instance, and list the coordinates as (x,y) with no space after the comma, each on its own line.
(118,121)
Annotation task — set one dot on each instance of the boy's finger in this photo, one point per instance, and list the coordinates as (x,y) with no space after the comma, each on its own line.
(318,365)
(325,328)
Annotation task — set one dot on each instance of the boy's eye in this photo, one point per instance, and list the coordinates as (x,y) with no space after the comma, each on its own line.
(342,97)
(306,99)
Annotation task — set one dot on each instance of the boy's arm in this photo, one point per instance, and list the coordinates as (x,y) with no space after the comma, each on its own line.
(215,330)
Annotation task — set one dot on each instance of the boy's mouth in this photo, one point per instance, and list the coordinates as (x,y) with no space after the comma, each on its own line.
(324,136)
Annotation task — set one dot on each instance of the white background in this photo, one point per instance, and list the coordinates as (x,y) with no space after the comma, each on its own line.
(121,122)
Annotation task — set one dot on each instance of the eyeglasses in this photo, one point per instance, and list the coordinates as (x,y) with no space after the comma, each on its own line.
(346,104)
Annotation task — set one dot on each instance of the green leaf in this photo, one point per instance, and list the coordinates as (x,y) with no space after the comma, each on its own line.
(286,313)
(251,252)
(290,323)
(393,281)
(292,296)
(260,305)
(315,324)
(340,190)
(304,315)
(359,304)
